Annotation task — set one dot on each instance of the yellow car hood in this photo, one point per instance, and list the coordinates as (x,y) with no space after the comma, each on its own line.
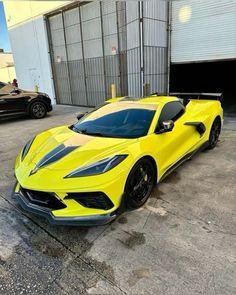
(82,149)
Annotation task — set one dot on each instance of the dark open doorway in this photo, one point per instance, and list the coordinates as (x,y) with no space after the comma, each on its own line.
(206,77)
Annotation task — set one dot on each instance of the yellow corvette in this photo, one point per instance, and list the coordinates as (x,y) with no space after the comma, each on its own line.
(87,173)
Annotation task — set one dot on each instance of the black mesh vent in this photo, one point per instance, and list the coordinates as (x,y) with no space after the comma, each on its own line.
(96,200)
(43,199)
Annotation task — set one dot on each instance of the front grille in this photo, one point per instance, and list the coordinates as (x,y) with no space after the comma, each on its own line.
(96,200)
(43,199)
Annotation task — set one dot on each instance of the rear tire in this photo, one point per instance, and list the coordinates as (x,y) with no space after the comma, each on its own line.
(37,110)
(140,183)
(214,133)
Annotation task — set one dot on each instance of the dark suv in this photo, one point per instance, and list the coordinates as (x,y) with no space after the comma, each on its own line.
(16,102)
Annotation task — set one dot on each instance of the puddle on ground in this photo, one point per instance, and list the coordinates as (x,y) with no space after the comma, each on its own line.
(47,246)
(102,268)
(138,274)
(134,239)
(74,238)
(174,177)
(88,269)
(122,220)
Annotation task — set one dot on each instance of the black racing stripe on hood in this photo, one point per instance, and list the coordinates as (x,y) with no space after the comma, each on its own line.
(53,156)
(52,153)
(58,155)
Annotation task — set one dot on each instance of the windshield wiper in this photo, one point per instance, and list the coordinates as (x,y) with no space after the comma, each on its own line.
(84,131)
(94,134)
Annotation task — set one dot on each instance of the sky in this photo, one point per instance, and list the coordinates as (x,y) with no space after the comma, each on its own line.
(4,39)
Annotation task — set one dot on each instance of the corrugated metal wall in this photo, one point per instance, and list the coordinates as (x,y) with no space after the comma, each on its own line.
(110,41)
(155,45)
(100,43)
(134,45)
(203,30)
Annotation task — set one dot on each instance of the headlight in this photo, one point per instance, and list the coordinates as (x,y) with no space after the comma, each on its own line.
(26,148)
(98,167)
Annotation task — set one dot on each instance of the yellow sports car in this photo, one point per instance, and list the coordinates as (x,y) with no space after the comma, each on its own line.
(87,173)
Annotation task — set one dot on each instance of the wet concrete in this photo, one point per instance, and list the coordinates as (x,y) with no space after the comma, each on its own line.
(181,242)
(133,239)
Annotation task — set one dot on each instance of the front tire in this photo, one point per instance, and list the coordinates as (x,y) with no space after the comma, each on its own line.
(214,133)
(140,183)
(37,110)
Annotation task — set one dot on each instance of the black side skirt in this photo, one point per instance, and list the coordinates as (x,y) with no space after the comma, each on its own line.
(184,159)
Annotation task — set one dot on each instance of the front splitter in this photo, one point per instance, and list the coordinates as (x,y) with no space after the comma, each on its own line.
(91,220)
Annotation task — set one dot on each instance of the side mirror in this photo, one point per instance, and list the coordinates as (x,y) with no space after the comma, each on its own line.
(79,116)
(166,126)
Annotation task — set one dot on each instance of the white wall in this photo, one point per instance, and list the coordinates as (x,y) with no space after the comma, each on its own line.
(32,61)
(7,74)
(203,30)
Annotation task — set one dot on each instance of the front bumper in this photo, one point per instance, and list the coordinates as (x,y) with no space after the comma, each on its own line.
(91,220)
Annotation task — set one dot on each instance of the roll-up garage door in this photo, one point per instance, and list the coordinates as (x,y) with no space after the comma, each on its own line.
(203,30)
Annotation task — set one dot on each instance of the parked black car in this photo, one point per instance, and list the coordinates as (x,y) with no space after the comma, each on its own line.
(17,102)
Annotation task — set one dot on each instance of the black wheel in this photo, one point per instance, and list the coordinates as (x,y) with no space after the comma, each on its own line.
(38,110)
(140,183)
(214,133)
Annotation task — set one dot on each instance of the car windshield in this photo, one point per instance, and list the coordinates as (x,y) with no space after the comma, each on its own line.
(6,88)
(122,120)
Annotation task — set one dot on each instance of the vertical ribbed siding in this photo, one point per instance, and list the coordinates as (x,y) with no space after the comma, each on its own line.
(101,43)
(151,49)
(75,56)
(93,52)
(155,45)
(155,10)
(209,34)
(110,40)
(59,51)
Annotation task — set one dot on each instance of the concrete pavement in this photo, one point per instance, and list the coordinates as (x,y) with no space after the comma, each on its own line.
(181,242)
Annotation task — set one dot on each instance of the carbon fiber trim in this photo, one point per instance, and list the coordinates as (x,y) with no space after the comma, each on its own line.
(92,220)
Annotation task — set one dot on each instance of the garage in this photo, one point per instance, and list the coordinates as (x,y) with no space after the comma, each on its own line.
(203,48)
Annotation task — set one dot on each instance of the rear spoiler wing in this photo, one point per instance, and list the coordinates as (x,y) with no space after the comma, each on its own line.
(207,96)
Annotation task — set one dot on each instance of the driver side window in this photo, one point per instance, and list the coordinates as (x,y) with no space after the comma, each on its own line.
(171,111)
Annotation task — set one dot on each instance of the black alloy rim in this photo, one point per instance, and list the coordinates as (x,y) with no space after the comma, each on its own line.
(38,110)
(215,132)
(141,183)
